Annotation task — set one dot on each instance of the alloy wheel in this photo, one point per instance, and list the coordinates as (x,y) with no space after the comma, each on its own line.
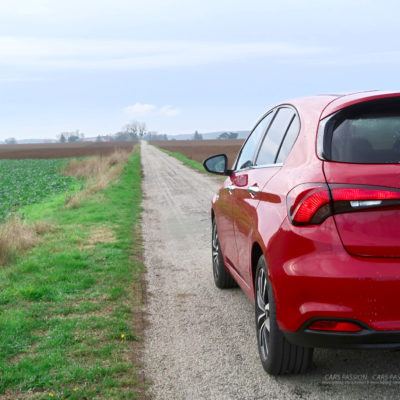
(262,314)
(215,252)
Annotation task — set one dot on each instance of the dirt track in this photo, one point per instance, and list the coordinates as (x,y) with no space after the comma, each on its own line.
(200,343)
(201,149)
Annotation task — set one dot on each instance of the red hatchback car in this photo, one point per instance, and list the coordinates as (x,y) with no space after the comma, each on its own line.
(308,224)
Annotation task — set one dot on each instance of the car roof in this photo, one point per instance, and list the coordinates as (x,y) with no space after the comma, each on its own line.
(327,104)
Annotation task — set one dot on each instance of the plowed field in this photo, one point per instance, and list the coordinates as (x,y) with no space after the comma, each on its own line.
(61,150)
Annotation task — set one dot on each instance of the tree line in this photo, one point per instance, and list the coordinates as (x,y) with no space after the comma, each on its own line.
(133,131)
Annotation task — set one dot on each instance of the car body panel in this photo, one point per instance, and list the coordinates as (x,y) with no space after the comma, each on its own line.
(222,205)
(317,277)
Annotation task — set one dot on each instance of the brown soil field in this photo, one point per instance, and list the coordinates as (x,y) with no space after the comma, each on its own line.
(61,150)
(201,149)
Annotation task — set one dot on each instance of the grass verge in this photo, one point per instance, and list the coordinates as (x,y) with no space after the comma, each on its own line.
(69,324)
(16,236)
(99,173)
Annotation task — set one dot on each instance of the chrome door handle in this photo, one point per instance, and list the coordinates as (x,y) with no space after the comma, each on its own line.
(230,188)
(253,190)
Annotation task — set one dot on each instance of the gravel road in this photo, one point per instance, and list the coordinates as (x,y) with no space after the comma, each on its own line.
(200,342)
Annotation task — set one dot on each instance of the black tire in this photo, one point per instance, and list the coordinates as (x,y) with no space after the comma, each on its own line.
(277,355)
(222,277)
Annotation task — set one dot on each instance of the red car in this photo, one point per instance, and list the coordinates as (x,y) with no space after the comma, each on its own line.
(307,223)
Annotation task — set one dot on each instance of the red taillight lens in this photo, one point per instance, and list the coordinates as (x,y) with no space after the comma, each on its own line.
(340,193)
(312,203)
(348,198)
(309,204)
(334,326)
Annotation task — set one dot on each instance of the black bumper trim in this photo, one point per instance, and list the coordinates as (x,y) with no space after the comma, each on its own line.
(367,338)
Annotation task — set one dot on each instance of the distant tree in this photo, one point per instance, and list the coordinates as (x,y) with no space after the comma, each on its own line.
(228,135)
(63,136)
(197,136)
(154,136)
(135,129)
(10,140)
(141,129)
(132,131)
(73,139)
(99,139)
(74,136)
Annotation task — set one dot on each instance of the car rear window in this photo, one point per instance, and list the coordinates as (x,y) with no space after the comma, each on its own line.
(366,134)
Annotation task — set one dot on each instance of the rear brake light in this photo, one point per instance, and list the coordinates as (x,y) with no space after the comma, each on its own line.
(334,326)
(311,204)
(343,192)
(348,198)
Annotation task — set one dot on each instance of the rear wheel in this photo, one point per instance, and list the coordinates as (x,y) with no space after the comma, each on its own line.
(278,356)
(222,278)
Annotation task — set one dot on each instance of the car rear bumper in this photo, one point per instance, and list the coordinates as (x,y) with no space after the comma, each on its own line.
(314,277)
(365,339)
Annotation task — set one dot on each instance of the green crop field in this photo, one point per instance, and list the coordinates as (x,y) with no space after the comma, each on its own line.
(24,182)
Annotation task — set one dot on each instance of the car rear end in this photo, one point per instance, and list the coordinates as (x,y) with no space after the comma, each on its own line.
(344,233)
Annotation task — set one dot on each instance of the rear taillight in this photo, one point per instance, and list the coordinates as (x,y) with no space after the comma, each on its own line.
(311,204)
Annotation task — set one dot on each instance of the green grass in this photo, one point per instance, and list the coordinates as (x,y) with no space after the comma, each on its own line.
(67,308)
(30,181)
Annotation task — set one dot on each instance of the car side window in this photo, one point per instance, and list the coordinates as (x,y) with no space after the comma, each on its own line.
(247,153)
(273,138)
(288,141)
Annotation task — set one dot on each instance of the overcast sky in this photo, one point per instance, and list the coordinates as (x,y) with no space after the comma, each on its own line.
(183,65)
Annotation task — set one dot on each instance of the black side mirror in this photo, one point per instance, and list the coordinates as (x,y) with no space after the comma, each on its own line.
(217,164)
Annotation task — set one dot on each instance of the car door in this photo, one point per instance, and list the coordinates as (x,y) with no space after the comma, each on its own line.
(247,196)
(224,205)
(223,214)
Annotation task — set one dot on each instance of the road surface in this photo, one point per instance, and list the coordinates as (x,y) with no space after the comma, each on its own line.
(200,341)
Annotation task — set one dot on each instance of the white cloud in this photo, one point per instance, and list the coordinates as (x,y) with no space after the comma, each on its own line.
(140,109)
(169,111)
(55,53)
